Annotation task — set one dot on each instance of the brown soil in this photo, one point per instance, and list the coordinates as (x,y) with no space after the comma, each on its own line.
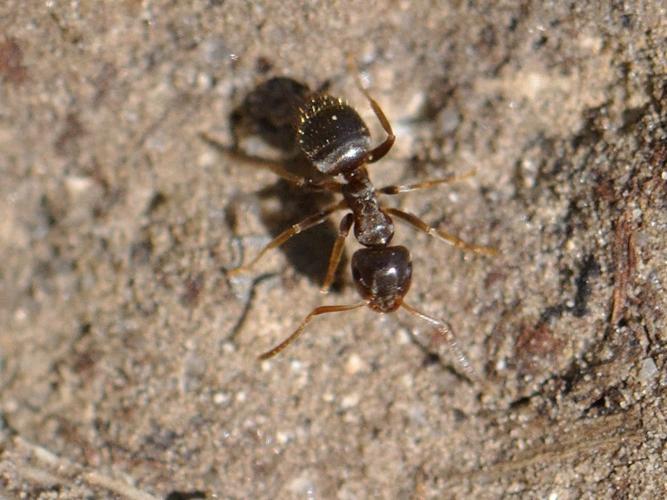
(128,358)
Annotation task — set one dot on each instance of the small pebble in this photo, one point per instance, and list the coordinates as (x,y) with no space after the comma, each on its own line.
(221,398)
(282,437)
(648,370)
(350,401)
(354,364)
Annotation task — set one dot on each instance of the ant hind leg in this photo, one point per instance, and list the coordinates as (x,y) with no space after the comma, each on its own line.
(272,165)
(381,150)
(447,334)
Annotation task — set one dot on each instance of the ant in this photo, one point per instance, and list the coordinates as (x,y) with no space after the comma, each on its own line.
(337,142)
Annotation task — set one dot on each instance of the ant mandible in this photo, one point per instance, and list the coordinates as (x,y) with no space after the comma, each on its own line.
(337,142)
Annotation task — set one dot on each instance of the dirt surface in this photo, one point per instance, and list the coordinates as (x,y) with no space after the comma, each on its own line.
(128,356)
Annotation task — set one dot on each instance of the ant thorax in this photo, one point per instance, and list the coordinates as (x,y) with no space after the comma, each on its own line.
(372,226)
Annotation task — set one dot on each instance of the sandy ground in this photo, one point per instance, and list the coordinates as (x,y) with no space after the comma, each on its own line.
(128,357)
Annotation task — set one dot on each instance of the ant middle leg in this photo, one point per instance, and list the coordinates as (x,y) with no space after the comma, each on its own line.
(291,231)
(396,189)
(453,240)
(315,312)
(337,251)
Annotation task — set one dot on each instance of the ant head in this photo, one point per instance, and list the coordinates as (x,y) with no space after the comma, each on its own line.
(332,135)
(382,276)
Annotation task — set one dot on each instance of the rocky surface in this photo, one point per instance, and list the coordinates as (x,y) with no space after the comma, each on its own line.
(127,355)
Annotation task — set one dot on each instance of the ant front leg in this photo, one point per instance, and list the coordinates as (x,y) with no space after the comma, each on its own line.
(293,230)
(453,240)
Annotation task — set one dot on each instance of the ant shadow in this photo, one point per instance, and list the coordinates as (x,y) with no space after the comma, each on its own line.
(270,111)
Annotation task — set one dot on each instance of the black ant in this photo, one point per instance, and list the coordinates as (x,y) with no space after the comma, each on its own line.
(337,142)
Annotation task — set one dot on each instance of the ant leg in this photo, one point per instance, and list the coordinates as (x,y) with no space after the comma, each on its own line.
(396,189)
(337,251)
(379,151)
(446,332)
(293,230)
(419,224)
(315,312)
(271,165)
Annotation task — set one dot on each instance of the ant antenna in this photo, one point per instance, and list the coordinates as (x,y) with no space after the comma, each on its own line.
(297,333)
(446,332)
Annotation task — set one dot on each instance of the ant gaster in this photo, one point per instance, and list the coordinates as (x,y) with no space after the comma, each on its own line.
(337,142)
